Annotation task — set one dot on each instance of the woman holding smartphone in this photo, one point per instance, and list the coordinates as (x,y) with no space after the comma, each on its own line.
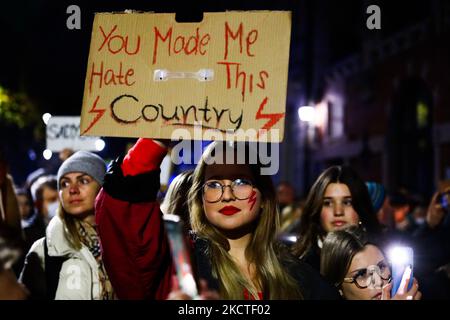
(234,218)
(360,270)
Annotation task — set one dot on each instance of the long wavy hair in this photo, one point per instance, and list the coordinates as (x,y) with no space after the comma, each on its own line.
(262,251)
(310,227)
(70,221)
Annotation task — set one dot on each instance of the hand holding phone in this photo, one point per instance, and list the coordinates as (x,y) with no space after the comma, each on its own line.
(401,259)
(181,256)
(437,210)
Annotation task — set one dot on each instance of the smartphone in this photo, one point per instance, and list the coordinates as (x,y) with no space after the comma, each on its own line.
(400,258)
(181,255)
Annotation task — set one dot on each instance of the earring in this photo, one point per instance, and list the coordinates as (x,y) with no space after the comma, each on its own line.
(360,225)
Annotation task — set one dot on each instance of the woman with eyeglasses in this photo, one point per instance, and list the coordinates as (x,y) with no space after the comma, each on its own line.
(359,269)
(234,219)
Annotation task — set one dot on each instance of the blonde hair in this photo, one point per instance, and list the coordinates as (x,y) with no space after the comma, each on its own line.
(71,222)
(70,227)
(272,278)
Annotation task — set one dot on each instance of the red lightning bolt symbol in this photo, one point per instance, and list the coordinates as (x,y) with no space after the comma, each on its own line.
(252,199)
(273,117)
(99,113)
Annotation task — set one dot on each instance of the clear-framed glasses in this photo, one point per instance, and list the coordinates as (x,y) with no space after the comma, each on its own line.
(370,277)
(240,188)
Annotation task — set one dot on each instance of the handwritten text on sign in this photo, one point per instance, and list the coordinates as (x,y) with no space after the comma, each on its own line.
(248,52)
(64,132)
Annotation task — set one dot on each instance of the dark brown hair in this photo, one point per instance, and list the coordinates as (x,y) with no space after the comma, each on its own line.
(310,227)
(339,248)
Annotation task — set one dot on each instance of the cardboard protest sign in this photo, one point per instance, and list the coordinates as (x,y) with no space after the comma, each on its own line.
(64,132)
(148,75)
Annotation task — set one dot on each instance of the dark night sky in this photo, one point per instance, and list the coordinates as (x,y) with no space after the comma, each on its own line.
(41,57)
(48,61)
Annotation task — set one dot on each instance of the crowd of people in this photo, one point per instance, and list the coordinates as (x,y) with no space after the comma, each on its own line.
(94,233)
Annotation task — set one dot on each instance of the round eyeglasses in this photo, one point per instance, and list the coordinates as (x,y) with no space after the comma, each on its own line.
(365,278)
(240,188)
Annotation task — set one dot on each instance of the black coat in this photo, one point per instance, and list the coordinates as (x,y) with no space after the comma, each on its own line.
(309,280)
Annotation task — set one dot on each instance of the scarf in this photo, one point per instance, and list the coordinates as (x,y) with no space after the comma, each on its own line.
(90,239)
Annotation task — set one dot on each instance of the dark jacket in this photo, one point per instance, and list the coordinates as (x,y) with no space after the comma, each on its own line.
(431,255)
(34,230)
(312,257)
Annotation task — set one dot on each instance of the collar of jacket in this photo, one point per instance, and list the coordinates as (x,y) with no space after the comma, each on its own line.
(57,242)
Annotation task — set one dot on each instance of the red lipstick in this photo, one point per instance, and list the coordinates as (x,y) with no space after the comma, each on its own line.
(74,201)
(229,210)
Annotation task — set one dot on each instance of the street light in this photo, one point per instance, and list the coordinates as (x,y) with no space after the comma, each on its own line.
(307,115)
(99,144)
(47,154)
(45,117)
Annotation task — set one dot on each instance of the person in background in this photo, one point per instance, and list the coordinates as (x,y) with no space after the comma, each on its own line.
(285,194)
(359,269)
(25,204)
(175,200)
(67,262)
(33,226)
(65,154)
(338,198)
(383,210)
(290,211)
(400,201)
(33,176)
(9,208)
(432,240)
(377,195)
(10,252)
(45,197)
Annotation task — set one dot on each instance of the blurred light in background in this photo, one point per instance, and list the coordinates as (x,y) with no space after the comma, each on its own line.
(4,97)
(47,154)
(31,154)
(306,113)
(45,117)
(99,144)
